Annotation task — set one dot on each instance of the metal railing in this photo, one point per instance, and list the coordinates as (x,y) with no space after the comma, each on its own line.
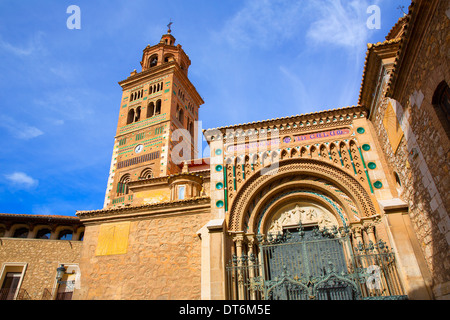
(60,295)
(46,295)
(10,294)
(382,279)
(322,267)
(22,294)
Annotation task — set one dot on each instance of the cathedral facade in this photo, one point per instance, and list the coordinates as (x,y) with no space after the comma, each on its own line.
(343,204)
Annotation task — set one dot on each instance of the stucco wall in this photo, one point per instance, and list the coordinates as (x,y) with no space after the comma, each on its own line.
(422,159)
(163,261)
(42,258)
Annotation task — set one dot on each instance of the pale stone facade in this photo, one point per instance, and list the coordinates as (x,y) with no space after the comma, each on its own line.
(162,260)
(40,258)
(421,160)
(34,258)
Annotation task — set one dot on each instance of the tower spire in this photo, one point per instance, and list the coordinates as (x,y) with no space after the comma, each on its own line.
(168,38)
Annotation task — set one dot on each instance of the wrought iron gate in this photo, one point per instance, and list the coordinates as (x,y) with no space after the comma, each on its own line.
(312,264)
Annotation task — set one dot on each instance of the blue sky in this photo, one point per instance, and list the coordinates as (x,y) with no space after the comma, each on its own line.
(251,60)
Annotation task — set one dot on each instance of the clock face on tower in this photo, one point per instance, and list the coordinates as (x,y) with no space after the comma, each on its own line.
(138,148)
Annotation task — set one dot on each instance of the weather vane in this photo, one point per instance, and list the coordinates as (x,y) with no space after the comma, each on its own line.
(401,8)
(169,25)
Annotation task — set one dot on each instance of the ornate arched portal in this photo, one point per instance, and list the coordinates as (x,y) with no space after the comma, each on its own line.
(306,178)
(297,224)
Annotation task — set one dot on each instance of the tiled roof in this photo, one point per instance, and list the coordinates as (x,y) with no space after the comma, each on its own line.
(36,216)
(370,48)
(145,206)
(401,50)
(396,28)
(39,219)
(295,117)
(405,20)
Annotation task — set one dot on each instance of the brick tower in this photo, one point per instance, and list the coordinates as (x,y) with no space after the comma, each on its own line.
(156,103)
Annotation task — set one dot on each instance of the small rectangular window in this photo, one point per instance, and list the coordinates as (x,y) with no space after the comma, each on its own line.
(122,141)
(11,277)
(181,192)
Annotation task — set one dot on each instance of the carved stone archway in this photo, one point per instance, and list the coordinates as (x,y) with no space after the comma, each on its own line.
(291,168)
(290,192)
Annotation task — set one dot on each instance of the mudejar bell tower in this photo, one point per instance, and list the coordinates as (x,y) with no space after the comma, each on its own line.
(156,102)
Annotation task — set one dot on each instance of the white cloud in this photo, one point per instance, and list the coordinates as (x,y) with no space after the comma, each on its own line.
(67,104)
(18,129)
(302,95)
(262,23)
(41,210)
(340,23)
(33,46)
(265,23)
(22,180)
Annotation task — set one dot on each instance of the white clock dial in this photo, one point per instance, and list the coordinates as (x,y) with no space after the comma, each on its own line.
(139,148)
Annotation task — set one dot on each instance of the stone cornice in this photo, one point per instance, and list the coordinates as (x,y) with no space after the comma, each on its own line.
(186,176)
(396,30)
(152,181)
(157,71)
(305,120)
(160,71)
(417,23)
(375,54)
(39,219)
(191,205)
(159,181)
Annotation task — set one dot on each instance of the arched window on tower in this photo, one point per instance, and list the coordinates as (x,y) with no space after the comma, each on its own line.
(150,110)
(169,58)
(158,107)
(122,186)
(180,114)
(130,117)
(153,61)
(441,105)
(146,174)
(191,128)
(138,114)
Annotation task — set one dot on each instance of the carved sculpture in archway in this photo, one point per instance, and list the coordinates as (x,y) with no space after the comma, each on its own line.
(301,214)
